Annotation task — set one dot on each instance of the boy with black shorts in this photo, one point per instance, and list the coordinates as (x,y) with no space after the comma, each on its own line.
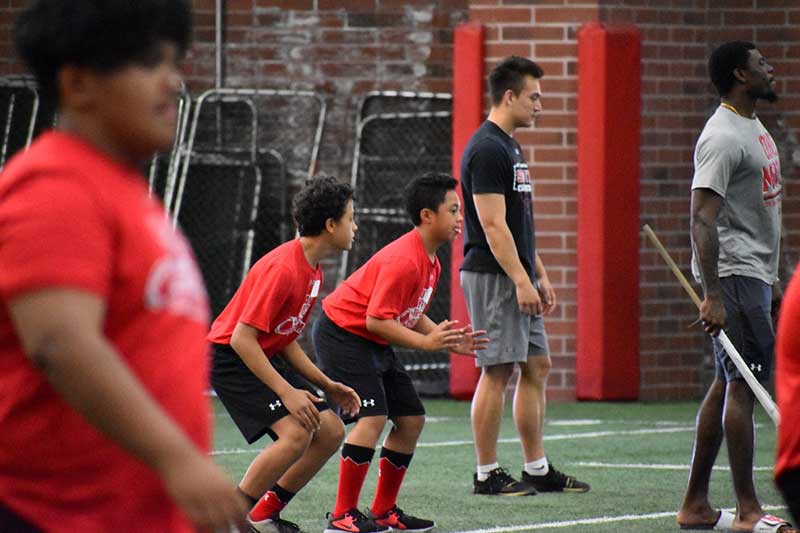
(384,303)
(104,420)
(260,372)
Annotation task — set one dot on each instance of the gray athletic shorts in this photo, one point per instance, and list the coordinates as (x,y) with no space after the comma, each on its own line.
(492,305)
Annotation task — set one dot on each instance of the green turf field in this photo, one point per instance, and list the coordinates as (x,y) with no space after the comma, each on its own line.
(634,455)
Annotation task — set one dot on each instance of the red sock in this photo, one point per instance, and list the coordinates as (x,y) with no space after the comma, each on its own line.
(271,505)
(391,471)
(353,468)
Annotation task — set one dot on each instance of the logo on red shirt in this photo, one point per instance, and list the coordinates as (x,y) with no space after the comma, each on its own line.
(296,324)
(174,283)
(411,316)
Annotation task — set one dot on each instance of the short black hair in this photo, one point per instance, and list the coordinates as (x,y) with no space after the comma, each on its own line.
(323,197)
(104,35)
(510,74)
(427,192)
(724,60)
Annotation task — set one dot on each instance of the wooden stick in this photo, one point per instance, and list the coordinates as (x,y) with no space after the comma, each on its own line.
(760,392)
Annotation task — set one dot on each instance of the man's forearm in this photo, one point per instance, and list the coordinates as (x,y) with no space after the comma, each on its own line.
(540,270)
(706,242)
(501,242)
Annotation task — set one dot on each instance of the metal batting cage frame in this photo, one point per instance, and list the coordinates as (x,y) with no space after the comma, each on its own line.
(230,193)
(23,115)
(400,135)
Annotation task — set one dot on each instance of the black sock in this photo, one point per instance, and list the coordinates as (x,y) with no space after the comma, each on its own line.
(358,454)
(283,495)
(400,460)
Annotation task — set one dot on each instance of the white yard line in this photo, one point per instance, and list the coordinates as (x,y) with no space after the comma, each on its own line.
(648,466)
(564,436)
(589,521)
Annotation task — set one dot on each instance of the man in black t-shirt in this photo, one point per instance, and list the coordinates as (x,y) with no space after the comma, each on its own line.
(506,286)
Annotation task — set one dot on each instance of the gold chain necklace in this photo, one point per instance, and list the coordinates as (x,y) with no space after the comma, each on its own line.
(729,107)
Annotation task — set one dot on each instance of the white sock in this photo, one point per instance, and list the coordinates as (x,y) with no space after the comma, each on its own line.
(483,470)
(538,467)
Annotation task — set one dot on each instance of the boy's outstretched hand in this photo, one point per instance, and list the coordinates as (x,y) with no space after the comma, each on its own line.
(345,397)
(444,336)
(472,342)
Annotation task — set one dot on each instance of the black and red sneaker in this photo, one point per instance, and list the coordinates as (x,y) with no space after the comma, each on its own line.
(396,519)
(354,521)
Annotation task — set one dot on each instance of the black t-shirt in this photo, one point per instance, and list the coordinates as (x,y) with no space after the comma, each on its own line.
(493,163)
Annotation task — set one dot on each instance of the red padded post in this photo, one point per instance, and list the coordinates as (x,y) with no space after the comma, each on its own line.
(609,126)
(467,116)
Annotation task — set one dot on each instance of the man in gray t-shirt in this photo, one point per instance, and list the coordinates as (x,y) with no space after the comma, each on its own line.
(736,159)
(736,229)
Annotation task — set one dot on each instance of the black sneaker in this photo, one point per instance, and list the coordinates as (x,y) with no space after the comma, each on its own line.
(555,481)
(501,483)
(396,519)
(353,521)
(273,525)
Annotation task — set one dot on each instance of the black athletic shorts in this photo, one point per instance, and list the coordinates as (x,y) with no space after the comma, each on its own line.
(372,369)
(252,405)
(748,303)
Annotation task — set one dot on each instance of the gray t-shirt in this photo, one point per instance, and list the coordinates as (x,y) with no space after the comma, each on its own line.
(737,158)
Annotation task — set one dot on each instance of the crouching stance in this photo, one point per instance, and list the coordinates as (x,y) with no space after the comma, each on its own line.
(383,303)
(262,375)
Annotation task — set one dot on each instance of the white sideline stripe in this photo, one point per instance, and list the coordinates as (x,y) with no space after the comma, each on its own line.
(549,422)
(565,436)
(648,466)
(590,521)
(586,435)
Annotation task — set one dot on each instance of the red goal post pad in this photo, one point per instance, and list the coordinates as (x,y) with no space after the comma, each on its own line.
(609,129)
(468,86)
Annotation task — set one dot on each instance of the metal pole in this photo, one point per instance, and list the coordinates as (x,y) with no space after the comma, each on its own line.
(219,78)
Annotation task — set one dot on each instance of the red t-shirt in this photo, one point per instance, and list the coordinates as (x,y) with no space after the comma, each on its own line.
(396,283)
(275,297)
(71,217)
(787,378)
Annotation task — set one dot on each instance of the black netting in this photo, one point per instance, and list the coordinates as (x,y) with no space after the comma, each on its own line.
(23,115)
(231,191)
(391,150)
(380,102)
(217,213)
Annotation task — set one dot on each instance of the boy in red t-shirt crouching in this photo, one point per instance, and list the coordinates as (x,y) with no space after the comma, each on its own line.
(383,303)
(260,372)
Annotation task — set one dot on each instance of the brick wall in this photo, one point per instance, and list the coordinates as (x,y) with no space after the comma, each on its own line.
(8,62)
(547,32)
(346,47)
(342,48)
(677,99)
